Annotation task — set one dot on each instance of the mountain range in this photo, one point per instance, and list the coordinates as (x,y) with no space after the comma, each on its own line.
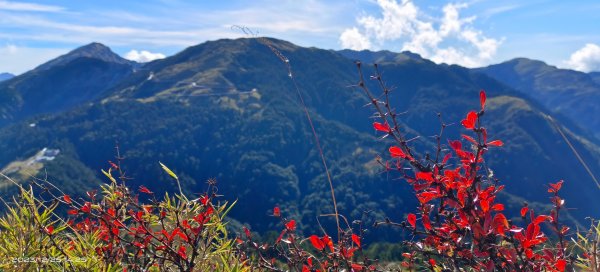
(227,109)
(573,94)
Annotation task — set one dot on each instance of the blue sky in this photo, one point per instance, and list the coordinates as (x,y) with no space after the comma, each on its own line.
(471,33)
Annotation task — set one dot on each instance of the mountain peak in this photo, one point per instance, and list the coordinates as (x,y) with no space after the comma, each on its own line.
(94,47)
(93,50)
(529,62)
(520,66)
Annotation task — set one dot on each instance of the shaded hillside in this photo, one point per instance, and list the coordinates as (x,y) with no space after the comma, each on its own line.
(227,109)
(570,93)
(595,76)
(63,83)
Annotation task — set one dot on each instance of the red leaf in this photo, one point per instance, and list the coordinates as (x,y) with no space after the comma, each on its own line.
(181,252)
(540,218)
(555,187)
(446,158)
(432,262)
(412,220)
(316,242)
(495,143)
(67,199)
(397,152)
(247,232)
(500,223)
(469,122)
(382,127)
(426,176)
(280,237)
(291,225)
(179,233)
(49,229)
(204,200)
(145,190)
(347,252)
(532,231)
(470,139)
(305,268)
(561,265)
(524,211)
(498,207)
(356,239)
(427,196)
(426,223)
(328,242)
(484,132)
(482,98)
(357,267)
(276,212)
(564,230)
(529,253)
(113,165)
(456,145)
(186,224)
(87,207)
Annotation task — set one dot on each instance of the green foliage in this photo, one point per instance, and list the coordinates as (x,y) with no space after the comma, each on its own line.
(112,231)
(23,244)
(587,247)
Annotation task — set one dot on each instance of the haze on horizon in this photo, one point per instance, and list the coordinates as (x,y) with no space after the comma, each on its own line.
(470,33)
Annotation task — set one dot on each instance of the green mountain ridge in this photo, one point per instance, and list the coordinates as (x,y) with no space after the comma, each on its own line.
(227,109)
(573,94)
(382,56)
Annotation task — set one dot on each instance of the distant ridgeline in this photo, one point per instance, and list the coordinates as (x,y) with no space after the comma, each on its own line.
(5,76)
(226,109)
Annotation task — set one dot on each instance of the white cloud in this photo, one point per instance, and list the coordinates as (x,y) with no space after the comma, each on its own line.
(143,56)
(176,24)
(23,6)
(448,39)
(351,38)
(586,59)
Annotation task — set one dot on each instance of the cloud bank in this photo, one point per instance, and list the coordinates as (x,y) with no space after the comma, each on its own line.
(448,39)
(586,59)
(23,6)
(143,56)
